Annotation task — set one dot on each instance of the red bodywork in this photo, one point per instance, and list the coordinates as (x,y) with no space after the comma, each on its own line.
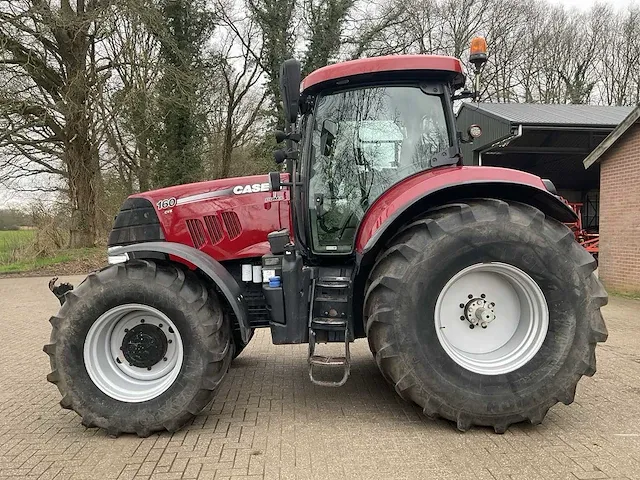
(391,63)
(236,224)
(228,224)
(432,180)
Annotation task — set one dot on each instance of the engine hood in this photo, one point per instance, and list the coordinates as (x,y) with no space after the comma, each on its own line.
(195,192)
(227,219)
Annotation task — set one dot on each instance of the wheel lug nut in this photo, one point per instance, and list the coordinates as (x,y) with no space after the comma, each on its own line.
(169,341)
(462,305)
(126,330)
(483,295)
(170,330)
(461,317)
(470,295)
(160,325)
(142,321)
(472,326)
(165,359)
(148,368)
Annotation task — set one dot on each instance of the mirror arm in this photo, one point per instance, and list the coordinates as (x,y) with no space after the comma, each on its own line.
(292,136)
(464,94)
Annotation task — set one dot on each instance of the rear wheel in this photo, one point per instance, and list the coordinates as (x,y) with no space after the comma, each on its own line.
(139,347)
(485,313)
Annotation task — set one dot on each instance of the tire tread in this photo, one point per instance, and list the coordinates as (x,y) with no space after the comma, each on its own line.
(440,222)
(196,294)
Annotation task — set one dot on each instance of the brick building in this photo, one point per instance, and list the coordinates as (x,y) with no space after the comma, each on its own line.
(618,157)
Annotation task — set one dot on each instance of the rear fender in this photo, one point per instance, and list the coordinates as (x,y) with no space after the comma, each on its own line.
(419,193)
(211,268)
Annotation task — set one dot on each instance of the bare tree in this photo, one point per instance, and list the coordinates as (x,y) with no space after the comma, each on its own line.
(50,74)
(619,65)
(129,98)
(238,99)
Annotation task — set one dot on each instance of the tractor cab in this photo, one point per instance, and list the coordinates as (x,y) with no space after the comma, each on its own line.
(354,130)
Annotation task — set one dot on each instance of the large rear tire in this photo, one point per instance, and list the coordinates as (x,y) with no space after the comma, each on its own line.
(499,265)
(139,347)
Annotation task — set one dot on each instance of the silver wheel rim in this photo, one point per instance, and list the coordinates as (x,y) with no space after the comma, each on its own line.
(110,370)
(491,318)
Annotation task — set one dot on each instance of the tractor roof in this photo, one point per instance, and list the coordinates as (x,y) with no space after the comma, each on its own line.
(389,67)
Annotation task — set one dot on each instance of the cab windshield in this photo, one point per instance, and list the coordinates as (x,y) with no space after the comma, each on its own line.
(363,141)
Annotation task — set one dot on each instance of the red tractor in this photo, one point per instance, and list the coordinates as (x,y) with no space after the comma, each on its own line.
(476,300)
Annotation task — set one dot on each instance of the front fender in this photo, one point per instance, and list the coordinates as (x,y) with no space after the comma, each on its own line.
(210,267)
(417,194)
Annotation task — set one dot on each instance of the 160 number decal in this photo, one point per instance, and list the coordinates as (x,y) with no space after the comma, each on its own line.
(166,203)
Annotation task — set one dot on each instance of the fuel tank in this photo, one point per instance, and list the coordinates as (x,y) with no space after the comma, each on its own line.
(227,218)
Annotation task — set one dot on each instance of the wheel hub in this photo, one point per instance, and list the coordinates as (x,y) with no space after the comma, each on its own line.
(479,311)
(144,345)
(510,297)
(133,352)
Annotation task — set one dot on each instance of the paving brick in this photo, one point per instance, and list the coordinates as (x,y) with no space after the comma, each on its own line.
(268,422)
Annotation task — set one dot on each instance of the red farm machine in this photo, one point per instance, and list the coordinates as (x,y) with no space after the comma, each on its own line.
(476,300)
(589,241)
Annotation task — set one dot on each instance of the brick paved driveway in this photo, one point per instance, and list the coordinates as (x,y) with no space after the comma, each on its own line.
(269,422)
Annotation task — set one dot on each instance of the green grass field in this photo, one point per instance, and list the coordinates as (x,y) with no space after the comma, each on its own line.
(12,242)
(16,257)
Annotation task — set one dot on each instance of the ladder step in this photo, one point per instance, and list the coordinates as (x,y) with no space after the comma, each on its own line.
(332,285)
(324,323)
(328,361)
(328,324)
(327,298)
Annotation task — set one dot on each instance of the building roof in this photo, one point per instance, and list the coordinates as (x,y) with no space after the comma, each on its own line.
(556,114)
(632,118)
(389,63)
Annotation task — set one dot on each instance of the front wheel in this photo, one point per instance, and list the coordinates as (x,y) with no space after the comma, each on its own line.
(139,347)
(485,313)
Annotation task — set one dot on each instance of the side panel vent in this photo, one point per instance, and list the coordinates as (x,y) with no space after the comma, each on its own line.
(196,230)
(214,227)
(232,224)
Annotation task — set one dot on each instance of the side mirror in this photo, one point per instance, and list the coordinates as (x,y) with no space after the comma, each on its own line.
(328,136)
(274,182)
(290,78)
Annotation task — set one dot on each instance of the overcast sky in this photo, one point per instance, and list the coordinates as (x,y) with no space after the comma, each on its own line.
(586,4)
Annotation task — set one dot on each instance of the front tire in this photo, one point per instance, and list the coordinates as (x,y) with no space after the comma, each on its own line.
(239,345)
(531,353)
(139,347)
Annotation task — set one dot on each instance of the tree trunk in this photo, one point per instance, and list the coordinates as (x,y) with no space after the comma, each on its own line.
(227,144)
(79,156)
(144,172)
(83,170)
